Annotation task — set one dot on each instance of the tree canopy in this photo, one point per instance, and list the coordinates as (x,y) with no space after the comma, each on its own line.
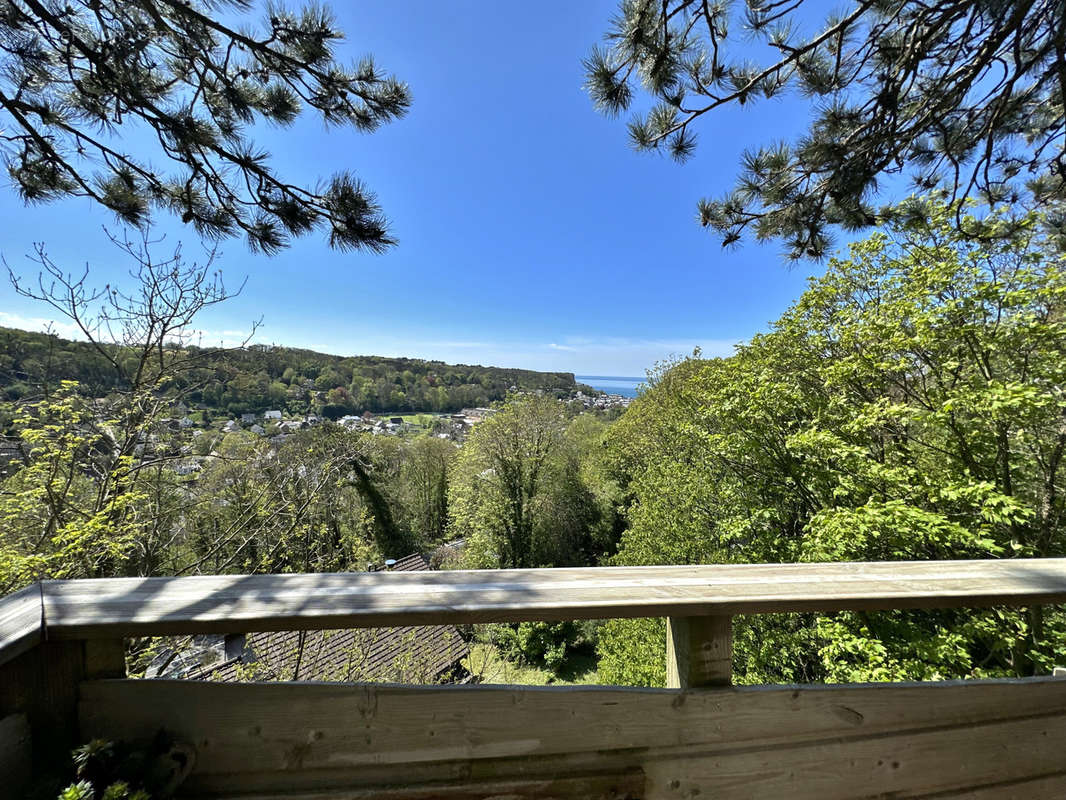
(908,407)
(525,490)
(78,77)
(253,379)
(965,95)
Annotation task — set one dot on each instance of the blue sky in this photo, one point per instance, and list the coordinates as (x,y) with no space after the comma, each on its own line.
(530,234)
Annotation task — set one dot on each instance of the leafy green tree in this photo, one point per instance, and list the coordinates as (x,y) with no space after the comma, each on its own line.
(95,496)
(499,478)
(424,475)
(301,507)
(55,521)
(73,74)
(963,94)
(260,377)
(518,493)
(580,514)
(909,406)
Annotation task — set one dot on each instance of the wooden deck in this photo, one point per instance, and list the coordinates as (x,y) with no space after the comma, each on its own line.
(820,743)
(63,681)
(147,606)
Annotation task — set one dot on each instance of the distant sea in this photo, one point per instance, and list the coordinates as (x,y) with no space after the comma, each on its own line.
(612,384)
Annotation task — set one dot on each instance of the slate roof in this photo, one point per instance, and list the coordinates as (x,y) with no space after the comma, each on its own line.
(416,654)
(415,562)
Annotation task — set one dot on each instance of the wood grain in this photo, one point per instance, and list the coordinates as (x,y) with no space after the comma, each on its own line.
(42,683)
(316,736)
(15,756)
(1046,787)
(623,785)
(155,606)
(21,614)
(909,764)
(699,652)
(105,658)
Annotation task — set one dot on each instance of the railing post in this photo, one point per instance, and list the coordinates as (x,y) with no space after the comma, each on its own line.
(699,652)
(105,658)
(39,699)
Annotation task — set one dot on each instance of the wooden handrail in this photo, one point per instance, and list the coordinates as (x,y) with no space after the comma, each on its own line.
(63,642)
(118,607)
(21,622)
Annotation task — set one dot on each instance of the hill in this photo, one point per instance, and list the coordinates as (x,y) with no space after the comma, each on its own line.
(261,377)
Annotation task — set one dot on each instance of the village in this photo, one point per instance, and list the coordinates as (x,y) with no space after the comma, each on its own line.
(198,440)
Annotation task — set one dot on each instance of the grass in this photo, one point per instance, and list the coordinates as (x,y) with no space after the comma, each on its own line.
(488,665)
(414,419)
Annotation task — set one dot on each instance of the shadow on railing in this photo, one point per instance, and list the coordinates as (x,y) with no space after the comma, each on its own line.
(980,739)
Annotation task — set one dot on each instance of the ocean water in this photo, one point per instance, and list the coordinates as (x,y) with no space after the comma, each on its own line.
(612,384)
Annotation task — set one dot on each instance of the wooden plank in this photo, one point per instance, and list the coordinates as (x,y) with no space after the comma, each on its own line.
(42,683)
(908,764)
(1046,787)
(699,652)
(627,785)
(251,736)
(15,756)
(105,658)
(20,622)
(148,606)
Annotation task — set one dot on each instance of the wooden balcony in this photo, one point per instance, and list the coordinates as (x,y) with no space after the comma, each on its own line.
(62,681)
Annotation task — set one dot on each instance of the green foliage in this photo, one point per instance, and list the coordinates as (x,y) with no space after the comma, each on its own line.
(909,406)
(73,74)
(316,503)
(486,664)
(105,770)
(423,486)
(965,96)
(108,482)
(524,492)
(633,652)
(538,644)
(261,377)
(327,499)
(77,507)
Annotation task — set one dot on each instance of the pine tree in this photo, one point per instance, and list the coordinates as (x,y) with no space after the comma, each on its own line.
(75,76)
(962,95)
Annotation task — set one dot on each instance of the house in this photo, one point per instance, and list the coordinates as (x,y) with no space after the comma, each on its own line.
(449,555)
(185,422)
(415,654)
(273,414)
(477,414)
(258,430)
(231,427)
(12,455)
(247,419)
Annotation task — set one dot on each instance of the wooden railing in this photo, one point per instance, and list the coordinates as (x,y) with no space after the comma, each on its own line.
(60,640)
